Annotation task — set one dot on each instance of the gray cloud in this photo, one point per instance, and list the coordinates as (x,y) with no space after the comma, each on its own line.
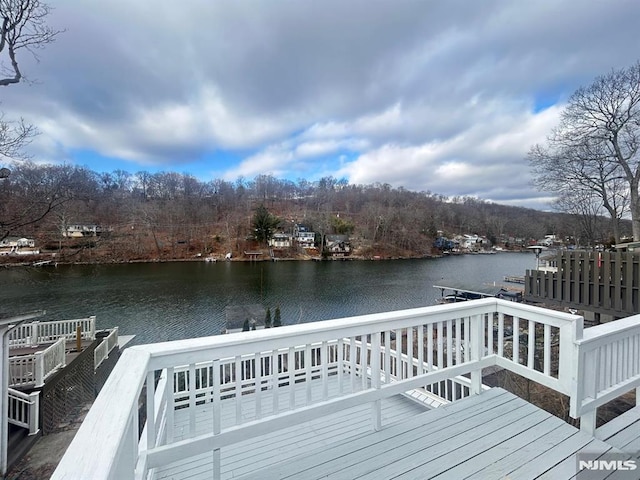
(429,95)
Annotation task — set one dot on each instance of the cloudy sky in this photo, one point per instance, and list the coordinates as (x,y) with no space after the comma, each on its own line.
(445,96)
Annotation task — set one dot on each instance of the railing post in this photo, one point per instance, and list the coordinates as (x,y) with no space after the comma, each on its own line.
(217,415)
(114,341)
(588,422)
(92,327)
(477,331)
(126,466)
(376,407)
(39,363)
(170,388)
(571,365)
(63,351)
(33,334)
(34,412)
(151,410)
(79,338)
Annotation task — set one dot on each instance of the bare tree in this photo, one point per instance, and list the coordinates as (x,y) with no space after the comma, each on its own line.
(577,173)
(597,143)
(33,191)
(586,206)
(24,29)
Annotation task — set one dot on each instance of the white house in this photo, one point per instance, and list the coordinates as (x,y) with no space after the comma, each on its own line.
(15,242)
(17,245)
(280,240)
(82,230)
(304,238)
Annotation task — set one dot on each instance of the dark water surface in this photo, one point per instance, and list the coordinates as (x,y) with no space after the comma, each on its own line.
(169,301)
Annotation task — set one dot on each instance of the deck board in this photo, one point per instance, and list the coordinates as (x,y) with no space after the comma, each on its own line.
(491,436)
(283,444)
(623,432)
(348,459)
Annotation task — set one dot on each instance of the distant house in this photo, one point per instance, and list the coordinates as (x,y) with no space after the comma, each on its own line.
(304,237)
(79,230)
(473,242)
(16,242)
(443,243)
(280,240)
(338,245)
(18,245)
(549,240)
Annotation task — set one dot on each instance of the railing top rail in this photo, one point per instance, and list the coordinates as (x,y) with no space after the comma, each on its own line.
(72,320)
(610,331)
(199,349)
(18,394)
(54,345)
(179,352)
(544,315)
(108,420)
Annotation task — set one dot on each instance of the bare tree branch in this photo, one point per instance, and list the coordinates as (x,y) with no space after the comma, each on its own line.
(23,27)
(597,145)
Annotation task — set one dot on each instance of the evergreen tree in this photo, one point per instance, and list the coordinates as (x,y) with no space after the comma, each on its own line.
(277,322)
(264,224)
(267,319)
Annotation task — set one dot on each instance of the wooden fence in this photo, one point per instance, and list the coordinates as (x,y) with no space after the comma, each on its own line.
(601,282)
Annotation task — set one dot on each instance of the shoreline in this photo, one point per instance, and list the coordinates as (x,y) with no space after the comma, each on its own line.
(53,263)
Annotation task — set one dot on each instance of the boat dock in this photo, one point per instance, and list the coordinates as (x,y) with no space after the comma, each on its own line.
(456,292)
(514,279)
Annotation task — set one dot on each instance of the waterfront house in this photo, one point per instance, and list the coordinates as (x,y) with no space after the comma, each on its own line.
(280,240)
(17,242)
(79,230)
(337,245)
(18,246)
(304,238)
(388,395)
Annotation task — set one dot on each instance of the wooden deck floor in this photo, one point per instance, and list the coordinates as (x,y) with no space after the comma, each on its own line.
(495,435)
(623,432)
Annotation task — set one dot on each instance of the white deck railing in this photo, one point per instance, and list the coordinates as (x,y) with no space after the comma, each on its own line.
(32,370)
(24,410)
(608,366)
(38,333)
(370,358)
(101,353)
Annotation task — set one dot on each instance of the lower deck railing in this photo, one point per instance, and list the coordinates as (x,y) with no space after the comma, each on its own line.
(24,410)
(39,333)
(440,350)
(102,351)
(32,370)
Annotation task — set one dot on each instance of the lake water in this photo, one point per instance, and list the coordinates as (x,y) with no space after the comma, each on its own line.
(170,301)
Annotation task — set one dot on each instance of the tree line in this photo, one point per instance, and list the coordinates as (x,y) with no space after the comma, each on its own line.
(174,215)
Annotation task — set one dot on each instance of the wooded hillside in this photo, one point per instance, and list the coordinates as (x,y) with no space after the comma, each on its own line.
(167,215)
